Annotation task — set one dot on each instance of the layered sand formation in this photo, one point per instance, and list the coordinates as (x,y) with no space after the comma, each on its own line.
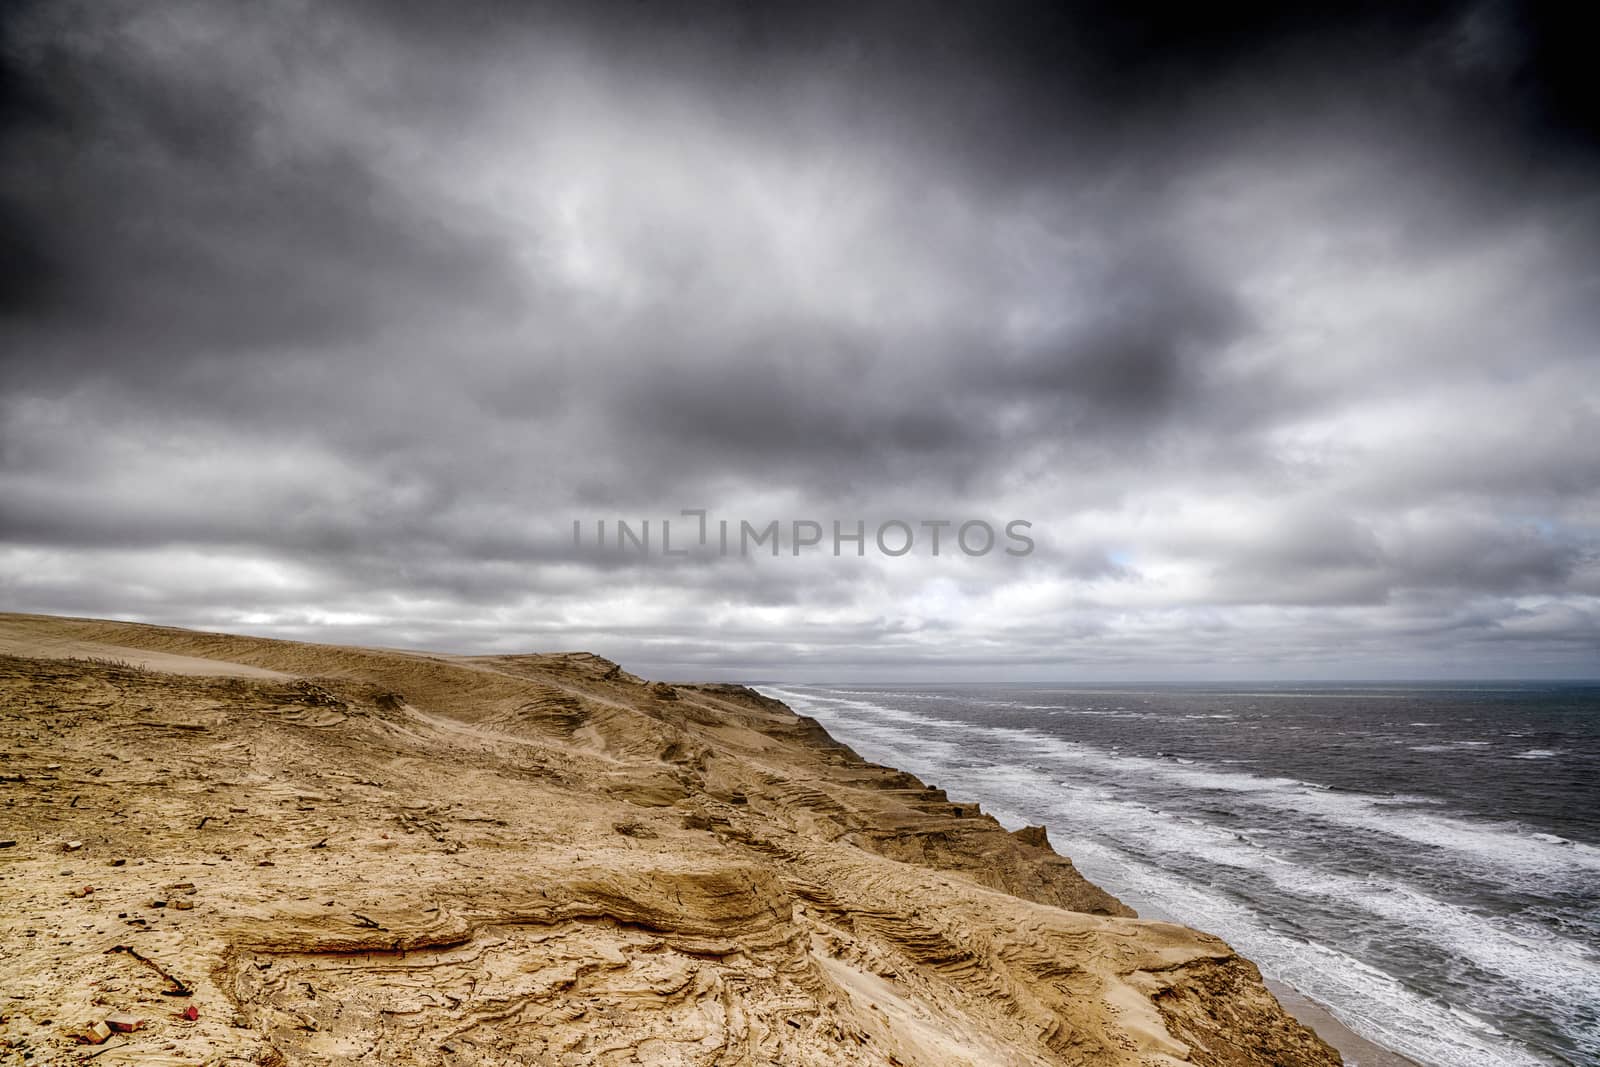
(341,855)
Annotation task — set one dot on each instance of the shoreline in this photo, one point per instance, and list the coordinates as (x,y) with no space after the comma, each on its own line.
(1357,1051)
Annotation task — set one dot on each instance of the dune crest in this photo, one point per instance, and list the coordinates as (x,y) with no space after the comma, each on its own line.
(362,855)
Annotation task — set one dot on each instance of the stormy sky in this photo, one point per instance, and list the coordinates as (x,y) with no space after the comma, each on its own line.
(1281,326)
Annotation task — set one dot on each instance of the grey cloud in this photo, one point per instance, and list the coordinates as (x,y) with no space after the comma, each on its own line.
(1308,557)
(1143,352)
(1479,555)
(176,214)
(1277,322)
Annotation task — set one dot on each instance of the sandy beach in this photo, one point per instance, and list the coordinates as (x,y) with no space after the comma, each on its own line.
(333,854)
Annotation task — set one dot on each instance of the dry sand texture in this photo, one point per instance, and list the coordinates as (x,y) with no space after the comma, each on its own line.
(342,855)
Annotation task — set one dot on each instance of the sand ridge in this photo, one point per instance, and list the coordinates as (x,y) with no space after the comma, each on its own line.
(347,854)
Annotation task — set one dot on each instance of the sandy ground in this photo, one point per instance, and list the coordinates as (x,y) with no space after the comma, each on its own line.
(17,638)
(252,851)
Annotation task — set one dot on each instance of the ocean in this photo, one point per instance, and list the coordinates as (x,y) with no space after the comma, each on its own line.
(1422,860)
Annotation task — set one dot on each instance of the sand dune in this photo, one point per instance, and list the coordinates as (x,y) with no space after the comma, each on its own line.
(345,854)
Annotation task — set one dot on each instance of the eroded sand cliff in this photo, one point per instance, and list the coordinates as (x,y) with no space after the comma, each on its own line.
(346,854)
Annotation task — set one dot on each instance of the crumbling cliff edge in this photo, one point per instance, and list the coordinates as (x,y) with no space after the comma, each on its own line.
(275,852)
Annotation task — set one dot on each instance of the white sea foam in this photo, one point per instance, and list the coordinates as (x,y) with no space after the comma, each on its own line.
(1455,746)
(1545,967)
(1528,955)
(1500,846)
(1406,798)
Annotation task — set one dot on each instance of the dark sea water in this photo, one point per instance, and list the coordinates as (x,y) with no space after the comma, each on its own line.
(1423,860)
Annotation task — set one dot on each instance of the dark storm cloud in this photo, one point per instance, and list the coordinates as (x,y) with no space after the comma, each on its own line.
(1277,321)
(1138,355)
(171,216)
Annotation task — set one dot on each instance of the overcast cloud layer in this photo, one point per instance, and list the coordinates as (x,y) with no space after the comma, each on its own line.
(326,320)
